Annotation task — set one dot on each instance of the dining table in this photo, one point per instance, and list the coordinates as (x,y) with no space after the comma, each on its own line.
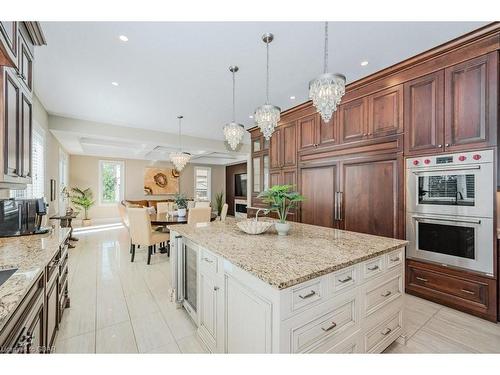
(162,219)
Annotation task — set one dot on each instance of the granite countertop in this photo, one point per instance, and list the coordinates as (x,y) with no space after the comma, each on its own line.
(30,254)
(282,261)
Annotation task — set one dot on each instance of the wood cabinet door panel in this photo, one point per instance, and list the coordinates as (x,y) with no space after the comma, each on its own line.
(423,114)
(25,64)
(275,177)
(52,307)
(208,309)
(318,185)
(386,112)
(471,102)
(275,149)
(289,145)
(307,132)
(8,38)
(11,126)
(328,131)
(353,121)
(26,128)
(371,197)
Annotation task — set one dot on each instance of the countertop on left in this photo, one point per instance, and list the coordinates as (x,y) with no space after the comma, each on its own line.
(30,255)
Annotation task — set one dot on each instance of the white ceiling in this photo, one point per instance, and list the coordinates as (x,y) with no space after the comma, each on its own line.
(172,68)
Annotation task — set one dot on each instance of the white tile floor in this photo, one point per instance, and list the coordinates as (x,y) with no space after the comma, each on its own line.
(123,307)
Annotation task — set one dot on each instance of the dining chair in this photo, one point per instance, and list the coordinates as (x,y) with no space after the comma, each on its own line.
(141,232)
(223,213)
(190,204)
(163,207)
(199,215)
(123,214)
(201,204)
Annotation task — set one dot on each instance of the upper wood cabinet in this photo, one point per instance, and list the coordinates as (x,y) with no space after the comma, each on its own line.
(453,109)
(354,120)
(313,132)
(283,146)
(385,112)
(8,42)
(25,65)
(12,128)
(423,114)
(26,128)
(471,105)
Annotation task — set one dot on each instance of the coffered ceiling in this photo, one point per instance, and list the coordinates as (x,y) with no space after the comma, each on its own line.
(171,68)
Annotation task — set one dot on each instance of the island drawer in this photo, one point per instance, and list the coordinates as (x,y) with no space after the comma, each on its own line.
(380,294)
(383,331)
(208,261)
(372,268)
(333,321)
(351,344)
(344,279)
(306,295)
(394,258)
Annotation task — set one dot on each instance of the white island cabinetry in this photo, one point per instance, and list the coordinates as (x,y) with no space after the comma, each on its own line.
(355,309)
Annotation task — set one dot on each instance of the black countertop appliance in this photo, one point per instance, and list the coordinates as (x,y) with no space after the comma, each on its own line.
(20,217)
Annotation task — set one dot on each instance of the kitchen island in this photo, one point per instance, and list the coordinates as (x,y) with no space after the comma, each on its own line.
(316,290)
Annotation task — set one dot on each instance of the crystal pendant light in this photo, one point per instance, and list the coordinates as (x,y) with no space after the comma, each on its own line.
(327,89)
(233,132)
(179,158)
(267,116)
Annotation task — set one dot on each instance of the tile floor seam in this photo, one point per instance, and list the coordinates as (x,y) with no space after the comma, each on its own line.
(424,324)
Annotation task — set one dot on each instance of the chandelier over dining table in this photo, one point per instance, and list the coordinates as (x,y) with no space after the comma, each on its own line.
(180,158)
(234,132)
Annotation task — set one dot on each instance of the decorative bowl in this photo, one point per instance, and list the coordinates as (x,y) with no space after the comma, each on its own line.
(254,227)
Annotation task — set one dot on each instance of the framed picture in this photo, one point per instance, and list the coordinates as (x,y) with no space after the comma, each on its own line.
(161,181)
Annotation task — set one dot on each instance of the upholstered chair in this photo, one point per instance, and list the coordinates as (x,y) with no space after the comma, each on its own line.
(163,207)
(141,232)
(223,213)
(202,204)
(123,214)
(199,215)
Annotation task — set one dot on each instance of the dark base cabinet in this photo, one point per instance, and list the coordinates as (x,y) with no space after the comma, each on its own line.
(33,326)
(459,289)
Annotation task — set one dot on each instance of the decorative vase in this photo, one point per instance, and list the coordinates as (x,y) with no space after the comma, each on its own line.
(181,212)
(282,228)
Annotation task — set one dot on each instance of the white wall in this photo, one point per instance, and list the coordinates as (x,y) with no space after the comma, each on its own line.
(84,173)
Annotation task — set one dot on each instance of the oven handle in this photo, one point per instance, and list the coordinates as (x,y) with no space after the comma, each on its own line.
(471,221)
(449,168)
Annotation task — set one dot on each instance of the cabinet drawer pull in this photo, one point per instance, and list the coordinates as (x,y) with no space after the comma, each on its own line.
(208,260)
(216,288)
(468,291)
(386,331)
(373,268)
(308,295)
(387,293)
(346,279)
(395,259)
(421,279)
(330,327)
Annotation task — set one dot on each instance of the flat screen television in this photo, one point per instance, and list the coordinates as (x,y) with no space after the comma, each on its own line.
(240,185)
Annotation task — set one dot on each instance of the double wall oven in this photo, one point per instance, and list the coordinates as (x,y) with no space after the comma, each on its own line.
(450,209)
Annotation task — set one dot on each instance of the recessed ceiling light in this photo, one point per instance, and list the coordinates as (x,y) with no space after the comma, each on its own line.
(114,83)
(364,63)
(250,116)
(292,97)
(123,38)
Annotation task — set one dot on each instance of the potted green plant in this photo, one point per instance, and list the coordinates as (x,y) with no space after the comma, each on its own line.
(83,199)
(181,202)
(281,199)
(219,202)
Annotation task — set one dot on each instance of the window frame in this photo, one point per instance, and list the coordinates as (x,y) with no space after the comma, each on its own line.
(209,183)
(122,181)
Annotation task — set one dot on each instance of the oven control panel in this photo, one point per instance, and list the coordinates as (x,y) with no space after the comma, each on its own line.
(459,158)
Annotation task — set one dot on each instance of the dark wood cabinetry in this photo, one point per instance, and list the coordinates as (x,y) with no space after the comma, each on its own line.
(319,185)
(353,120)
(424,114)
(12,127)
(471,105)
(459,289)
(8,43)
(25,65)
(371,195)
(385,112)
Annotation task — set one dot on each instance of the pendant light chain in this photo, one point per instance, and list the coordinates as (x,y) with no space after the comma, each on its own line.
(267,72)
(180,138)
(325,69)
(234,110)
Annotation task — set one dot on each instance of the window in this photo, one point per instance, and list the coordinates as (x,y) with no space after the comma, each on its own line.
(202,181)
(111,180)
(37,187)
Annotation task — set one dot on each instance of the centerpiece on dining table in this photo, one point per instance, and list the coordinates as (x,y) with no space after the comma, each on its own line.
(181,202)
